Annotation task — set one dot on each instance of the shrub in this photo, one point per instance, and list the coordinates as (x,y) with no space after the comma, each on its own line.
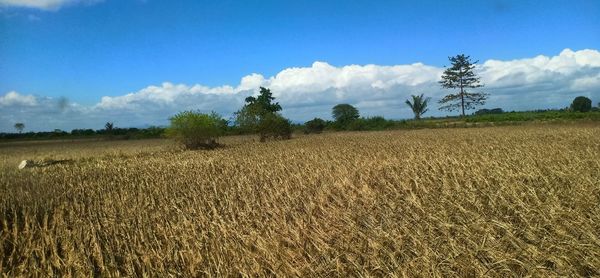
(489,111)
(196,130)
(581,104)
(371,123)
(273,125)
(315,125)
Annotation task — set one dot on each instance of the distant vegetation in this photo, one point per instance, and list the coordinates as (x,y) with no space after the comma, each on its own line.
(261,115)
(489,111)
(115,133)
(315,125)
(482,117)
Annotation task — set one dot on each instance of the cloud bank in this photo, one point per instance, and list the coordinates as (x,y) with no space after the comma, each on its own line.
(45,4)
(305,92)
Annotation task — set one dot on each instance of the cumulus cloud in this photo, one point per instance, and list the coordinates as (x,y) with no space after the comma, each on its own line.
(16,99)
(44,4)
(305,92)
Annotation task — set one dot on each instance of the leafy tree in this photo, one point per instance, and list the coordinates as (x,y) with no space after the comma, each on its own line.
(581,104)
(249,117)
(461,76)
(315,125)
(275,126)
(259,115)
(418,105)
(19,127)
(196,130)
(264,102)
(344,114)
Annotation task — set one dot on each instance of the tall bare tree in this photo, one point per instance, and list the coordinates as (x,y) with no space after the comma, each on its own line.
(461,76)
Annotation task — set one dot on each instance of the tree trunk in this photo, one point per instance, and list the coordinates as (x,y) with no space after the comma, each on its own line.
(462,101)
(462,97)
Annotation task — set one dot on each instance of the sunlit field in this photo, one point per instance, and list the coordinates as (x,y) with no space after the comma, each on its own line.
(494,201)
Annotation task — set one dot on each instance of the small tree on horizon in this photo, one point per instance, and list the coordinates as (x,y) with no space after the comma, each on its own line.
(344,114)
(108,127)
(19,127)
(418,105)
(581,104)
(461,76)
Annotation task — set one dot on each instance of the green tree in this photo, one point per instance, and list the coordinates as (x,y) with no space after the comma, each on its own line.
(248,118)
(19,127)
(344,115)
(273,125)
(581,104)
(260,115)
(196,130)
(315,125)
(264,102)
(461,76)
(418,105)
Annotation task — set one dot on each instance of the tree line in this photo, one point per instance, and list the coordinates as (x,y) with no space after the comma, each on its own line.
(262,115)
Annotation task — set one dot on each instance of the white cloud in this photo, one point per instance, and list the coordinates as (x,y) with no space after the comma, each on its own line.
(587,83)
(44,4)
(167,94)
(305,92)
(568,64)
(16,99)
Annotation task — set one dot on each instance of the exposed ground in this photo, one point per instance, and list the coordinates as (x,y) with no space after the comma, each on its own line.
(502,201)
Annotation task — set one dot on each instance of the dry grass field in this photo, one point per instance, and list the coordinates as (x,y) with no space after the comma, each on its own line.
(500,202)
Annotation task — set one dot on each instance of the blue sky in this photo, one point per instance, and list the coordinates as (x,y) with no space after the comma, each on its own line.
(85,50)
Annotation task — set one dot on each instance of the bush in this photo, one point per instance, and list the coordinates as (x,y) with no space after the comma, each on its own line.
(273,125)
(315,125)
(371,123)
(196,130)
(489,111)
(581,104)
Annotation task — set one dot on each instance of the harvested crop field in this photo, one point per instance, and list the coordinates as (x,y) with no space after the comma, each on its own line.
(498,201)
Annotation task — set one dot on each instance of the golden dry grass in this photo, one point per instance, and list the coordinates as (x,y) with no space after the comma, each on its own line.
(506,201)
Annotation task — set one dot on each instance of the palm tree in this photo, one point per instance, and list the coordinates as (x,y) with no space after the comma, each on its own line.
(108,127)
(418,105)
